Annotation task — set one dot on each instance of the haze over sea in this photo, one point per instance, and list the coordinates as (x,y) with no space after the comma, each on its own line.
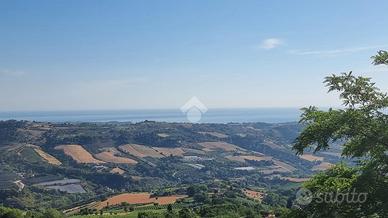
(269,115)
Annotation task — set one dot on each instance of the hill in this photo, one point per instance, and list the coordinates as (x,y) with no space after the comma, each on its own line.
(71,164)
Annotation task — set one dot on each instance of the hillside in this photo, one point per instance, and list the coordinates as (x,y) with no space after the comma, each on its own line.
(71,164)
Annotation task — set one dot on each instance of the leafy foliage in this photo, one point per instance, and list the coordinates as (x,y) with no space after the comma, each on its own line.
(380,58)
(362,129)
(15,213)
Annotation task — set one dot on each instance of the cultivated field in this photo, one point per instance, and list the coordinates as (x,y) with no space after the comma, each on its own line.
(64,185)
(243,158)
(297,180)
(170,151)
(194,151)
(215,134)
(279,167)
(117,170)
(322,166)
(272,144)
(140,151)
(139,198)
(47,157)
(335,154)
(78,153)
(212,146)
(311,157)
(164,200)
(156,152)
(109,156)
(286,167)
(70,188)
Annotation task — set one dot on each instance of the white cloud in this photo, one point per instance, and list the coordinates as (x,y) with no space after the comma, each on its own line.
(271,43)
(336,51)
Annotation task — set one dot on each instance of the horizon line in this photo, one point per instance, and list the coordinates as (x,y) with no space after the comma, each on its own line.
(155,109)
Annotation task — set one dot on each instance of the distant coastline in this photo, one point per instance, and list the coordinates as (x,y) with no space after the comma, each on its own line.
(268,115)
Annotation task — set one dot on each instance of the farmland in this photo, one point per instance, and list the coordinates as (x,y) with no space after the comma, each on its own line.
(169,151)
(64,185)
(110,157)
(78,154)
(322,166)
(49,158)
(139,198)
(99,160)
(117,170)
(311,157)
(243,158)
(215,134)
(293,179)
(213,146)
(140,151)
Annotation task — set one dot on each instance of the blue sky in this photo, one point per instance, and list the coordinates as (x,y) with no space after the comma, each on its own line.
(73,55)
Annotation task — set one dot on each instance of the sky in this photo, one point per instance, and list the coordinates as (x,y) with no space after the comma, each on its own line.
(102,54)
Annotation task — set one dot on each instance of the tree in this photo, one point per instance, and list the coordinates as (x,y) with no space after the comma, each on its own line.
(149,215)
(10,212)
(361,128)
(170,213)
(380,58)
(52,213)
(187,213)
(169,208)
(195,189)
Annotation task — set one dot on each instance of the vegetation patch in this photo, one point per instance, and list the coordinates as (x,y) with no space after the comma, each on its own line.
(254,194)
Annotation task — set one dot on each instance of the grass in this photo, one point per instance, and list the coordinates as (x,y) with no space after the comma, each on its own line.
(31,155)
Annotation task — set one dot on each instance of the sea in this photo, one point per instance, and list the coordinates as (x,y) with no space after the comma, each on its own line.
(267,115)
